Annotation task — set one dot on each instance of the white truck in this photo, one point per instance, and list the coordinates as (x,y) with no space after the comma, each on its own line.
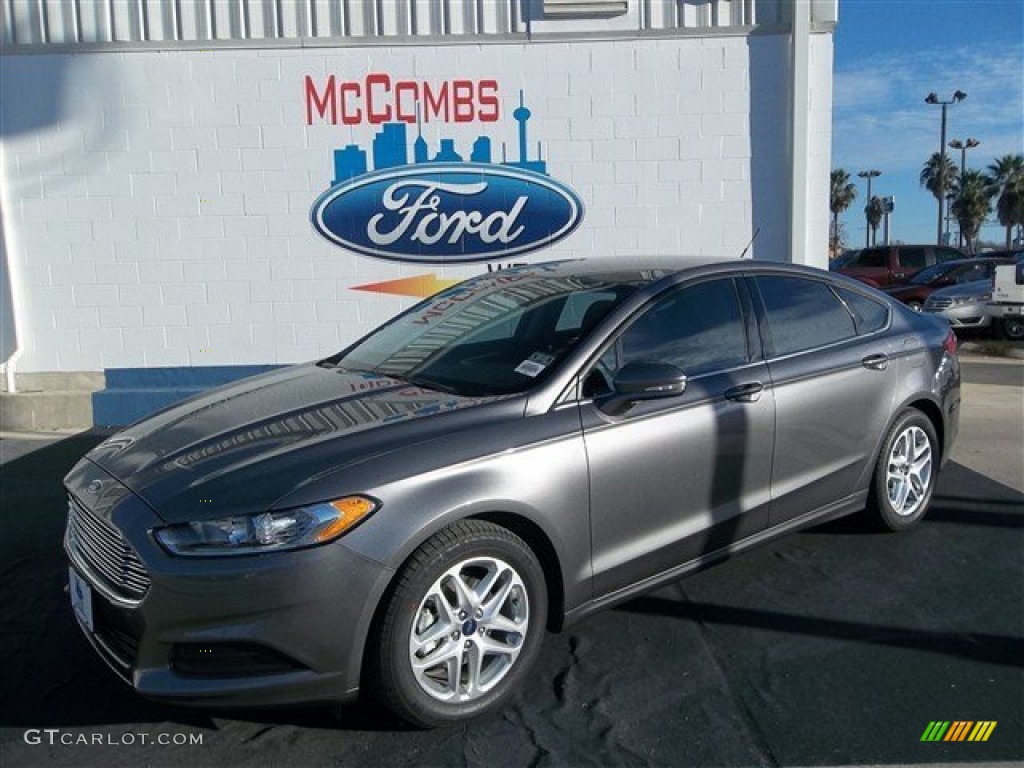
(1007,305)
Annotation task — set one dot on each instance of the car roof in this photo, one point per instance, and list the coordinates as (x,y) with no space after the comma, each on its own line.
(984,258)
(649,269)
(1010,255)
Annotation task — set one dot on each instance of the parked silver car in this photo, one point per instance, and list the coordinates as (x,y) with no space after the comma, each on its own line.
(407,516)
(964,305)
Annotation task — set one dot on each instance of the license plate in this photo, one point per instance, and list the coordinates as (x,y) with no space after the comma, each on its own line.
(81,598)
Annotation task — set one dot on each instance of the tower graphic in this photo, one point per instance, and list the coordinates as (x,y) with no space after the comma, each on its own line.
(419,148)
(522,115)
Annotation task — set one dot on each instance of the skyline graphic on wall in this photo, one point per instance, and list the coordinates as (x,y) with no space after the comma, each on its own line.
(390,149)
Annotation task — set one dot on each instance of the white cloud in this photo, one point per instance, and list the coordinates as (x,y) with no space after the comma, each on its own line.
(880,117)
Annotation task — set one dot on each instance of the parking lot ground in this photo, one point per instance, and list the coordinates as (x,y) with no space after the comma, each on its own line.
(834,646)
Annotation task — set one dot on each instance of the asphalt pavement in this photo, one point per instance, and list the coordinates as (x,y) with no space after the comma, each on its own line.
(834,646)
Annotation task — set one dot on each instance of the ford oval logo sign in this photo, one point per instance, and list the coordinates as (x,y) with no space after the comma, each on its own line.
(447,213)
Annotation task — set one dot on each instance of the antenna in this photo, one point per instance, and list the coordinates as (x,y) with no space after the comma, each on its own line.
(757,231)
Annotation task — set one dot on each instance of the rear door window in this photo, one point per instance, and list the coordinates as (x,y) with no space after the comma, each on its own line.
(803,314)
(913,257)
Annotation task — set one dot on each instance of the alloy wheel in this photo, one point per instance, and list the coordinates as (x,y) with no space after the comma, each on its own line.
(909,472)
(469,629)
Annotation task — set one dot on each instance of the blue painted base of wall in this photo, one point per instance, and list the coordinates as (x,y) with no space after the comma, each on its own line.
(133,393)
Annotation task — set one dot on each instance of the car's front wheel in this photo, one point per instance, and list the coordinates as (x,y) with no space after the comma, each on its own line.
(905,473)
(463,625)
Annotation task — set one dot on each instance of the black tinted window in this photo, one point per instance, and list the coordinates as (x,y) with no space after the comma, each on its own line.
(870,315)
(913,257)
(697,329)
(975,272)
(872,257)
(947,254)
(803,314)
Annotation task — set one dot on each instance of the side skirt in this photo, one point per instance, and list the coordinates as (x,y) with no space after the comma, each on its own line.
(846,506)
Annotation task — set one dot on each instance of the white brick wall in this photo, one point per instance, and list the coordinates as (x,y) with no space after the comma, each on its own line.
(157,203)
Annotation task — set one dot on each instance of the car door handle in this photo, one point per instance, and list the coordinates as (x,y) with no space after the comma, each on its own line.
(876,362)
(745,393)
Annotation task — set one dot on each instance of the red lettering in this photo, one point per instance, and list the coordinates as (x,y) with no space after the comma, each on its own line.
(356,115)
(401,113)
(462,99)
(384,82)
(378,99)
(489,104)
(438,107)
(327,102)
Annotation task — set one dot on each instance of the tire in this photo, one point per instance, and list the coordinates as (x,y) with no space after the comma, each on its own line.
(483,637)
(905,473)
(1012,328)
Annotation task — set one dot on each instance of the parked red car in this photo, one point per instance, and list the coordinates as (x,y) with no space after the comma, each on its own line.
(884,265)
(915,292)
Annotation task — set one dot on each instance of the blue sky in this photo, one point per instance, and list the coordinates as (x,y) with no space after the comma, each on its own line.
(889,54)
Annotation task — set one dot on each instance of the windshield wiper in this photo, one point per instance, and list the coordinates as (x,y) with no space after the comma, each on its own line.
(428,384)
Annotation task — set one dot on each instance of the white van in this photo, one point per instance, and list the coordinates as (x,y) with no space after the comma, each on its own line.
(1007,305)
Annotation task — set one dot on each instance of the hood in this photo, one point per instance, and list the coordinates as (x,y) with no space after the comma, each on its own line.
(239,448)
(973,288)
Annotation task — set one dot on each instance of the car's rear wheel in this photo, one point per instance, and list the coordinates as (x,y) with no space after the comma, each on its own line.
(463,625)
(905,472)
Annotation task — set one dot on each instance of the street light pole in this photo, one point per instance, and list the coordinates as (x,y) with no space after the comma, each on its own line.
(869,175)
(931,98)
(963,146)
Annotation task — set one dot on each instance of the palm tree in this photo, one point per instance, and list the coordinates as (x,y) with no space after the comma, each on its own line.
(841,195)
(873,211)
(972,195)
(938,175)
(1006,179)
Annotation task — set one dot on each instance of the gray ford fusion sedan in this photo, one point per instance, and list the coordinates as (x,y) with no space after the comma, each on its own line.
(408,516)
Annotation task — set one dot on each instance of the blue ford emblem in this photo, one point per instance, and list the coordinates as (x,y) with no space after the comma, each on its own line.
(440,213)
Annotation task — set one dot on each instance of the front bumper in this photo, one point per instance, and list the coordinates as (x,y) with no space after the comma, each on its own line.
(260,630)
(964,316)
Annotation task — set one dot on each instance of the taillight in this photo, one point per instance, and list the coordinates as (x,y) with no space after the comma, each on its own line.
(950,344)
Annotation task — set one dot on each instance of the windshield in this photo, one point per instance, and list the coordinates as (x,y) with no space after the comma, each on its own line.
(498,334)
(932,273)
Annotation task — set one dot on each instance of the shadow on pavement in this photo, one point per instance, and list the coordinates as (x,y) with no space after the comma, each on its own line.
(827,647)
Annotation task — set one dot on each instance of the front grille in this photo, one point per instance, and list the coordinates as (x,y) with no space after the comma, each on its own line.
(103,548)
(117,633)
(938,304)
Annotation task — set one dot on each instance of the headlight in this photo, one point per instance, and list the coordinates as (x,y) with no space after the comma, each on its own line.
(267,531)
(962,300)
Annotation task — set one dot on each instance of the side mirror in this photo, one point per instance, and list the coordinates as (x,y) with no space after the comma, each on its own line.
(649,381)
(643,381)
